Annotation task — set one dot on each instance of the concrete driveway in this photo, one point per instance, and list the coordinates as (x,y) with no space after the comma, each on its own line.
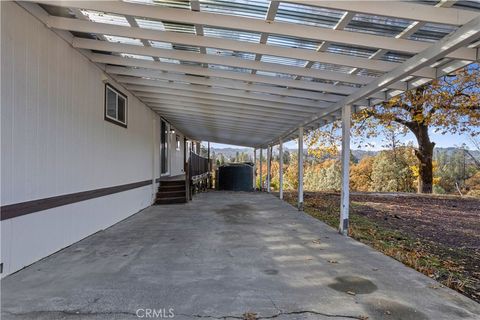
(221,256)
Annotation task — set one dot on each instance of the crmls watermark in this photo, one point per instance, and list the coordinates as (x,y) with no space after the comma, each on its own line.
(161,313)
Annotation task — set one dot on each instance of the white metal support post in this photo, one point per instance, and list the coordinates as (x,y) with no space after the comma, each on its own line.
(261,175)
(254,169)
(300,168)
(280,173)
(345,194)
(269,167)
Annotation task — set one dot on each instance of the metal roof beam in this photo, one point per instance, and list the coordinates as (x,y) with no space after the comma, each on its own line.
(269,17)
(152,92)
(259,112)
(246,96)
(227,125)
(223,60)
(260,26)
(299,84)
(401,10)
(242,113)
(227,44)
(463,36)
(269,91)
(195,111)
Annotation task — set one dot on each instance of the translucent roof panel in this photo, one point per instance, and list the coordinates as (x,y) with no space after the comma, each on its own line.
(395,57)
(150,24)
(284,61)
(190,63)
(291,42)
(432,32)
(103,17)
(275,74)
(167,60)
(381,26)
(468,5)
(179,27)
(318,80)
(228,68)
(350,50)
(178,4)
(244,8)
(369,73)
(185,48)
(348,84)
(308,15)
(229,53)
(124,40)
(331,67)
(231,34)
(161,45)
(136,56)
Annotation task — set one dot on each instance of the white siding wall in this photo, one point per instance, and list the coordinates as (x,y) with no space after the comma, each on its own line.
(54,140)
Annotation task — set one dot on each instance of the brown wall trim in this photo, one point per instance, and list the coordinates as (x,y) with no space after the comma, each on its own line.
(20,209)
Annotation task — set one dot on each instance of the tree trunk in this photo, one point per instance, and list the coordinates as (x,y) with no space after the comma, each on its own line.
(425,156)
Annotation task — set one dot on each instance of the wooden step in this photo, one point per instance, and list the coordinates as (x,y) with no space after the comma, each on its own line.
(171,188)
(161,194)
(171,200)
(172,183)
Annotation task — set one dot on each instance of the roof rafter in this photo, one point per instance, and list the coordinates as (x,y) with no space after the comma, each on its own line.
(464,35)
(401,10)
(217,109)
(227,44)
(299,84)
(227,61)
(259,26)
(225,83)
(239,96)
(145,91)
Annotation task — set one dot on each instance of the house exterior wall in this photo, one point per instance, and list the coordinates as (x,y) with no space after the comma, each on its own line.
(55,141)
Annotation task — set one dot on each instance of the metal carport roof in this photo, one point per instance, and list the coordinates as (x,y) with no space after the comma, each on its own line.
(251,72)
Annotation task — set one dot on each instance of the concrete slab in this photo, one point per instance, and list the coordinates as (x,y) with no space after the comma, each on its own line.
(218,257)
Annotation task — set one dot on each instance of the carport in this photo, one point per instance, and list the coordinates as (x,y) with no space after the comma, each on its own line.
(220,70)
(101,98)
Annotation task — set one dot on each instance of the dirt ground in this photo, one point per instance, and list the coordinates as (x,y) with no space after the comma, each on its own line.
(437,235)
(453,222)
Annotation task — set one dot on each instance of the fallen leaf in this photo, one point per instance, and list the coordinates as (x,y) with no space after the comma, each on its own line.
(250,316)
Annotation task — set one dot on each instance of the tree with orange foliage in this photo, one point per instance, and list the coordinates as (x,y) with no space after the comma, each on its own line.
(361,174)
(449,105)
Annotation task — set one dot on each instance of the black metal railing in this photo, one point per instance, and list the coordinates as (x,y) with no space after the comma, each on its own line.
(197,174)
(197,165)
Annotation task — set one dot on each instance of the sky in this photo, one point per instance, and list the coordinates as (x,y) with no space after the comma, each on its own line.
(441,141)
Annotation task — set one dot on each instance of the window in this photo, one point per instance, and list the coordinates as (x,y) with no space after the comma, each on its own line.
(115,106)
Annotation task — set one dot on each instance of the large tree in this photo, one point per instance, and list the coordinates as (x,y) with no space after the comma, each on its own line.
(447,105)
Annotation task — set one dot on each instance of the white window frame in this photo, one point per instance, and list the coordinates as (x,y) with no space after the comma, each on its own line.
(118,93)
